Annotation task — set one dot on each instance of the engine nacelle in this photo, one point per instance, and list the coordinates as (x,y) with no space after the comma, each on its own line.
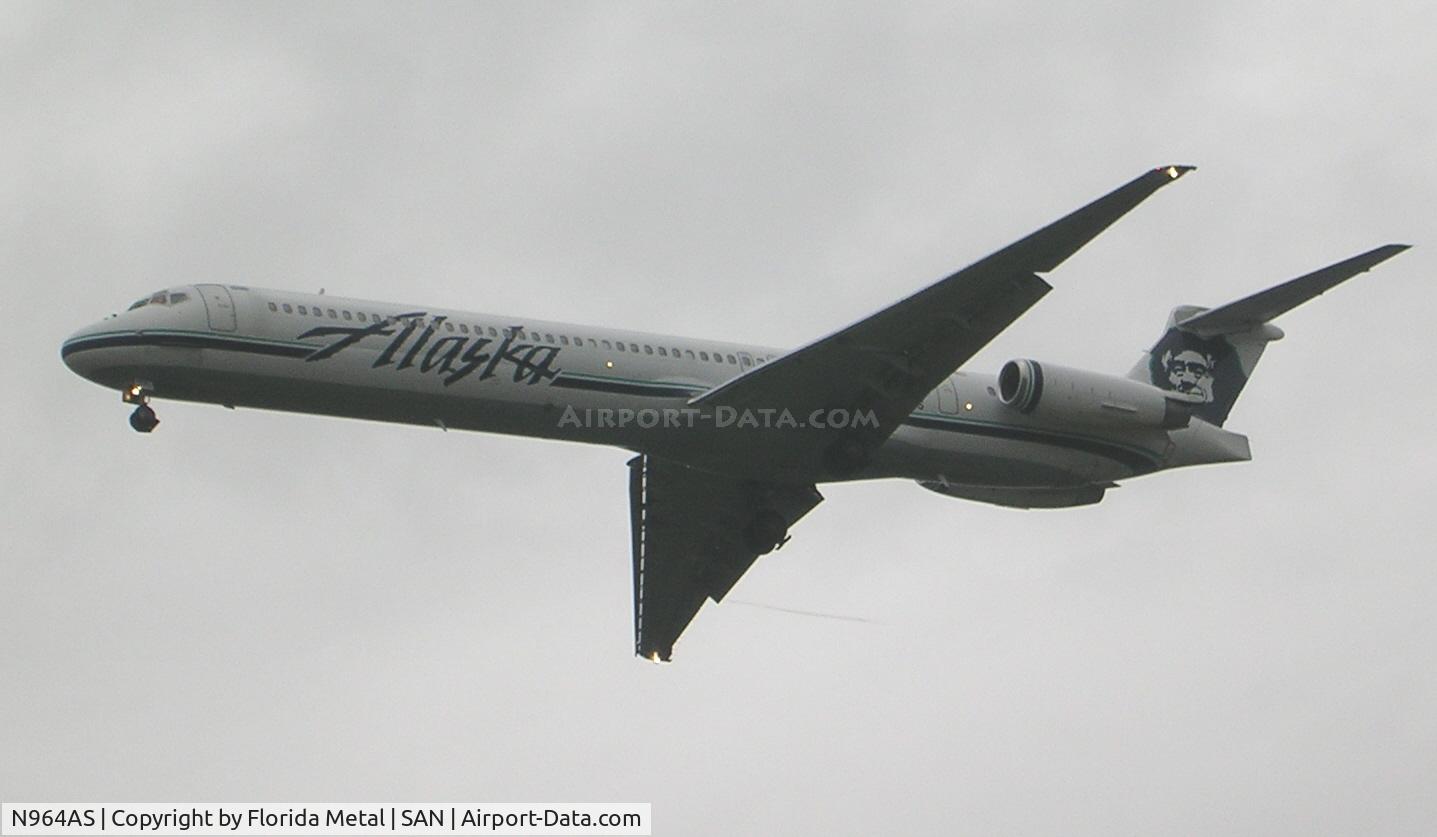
(1058,394)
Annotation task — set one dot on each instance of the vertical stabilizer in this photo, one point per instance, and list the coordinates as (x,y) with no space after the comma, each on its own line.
(1214,368)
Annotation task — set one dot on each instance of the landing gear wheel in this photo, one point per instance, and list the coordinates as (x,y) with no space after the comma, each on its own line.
(143,419)
(766,532)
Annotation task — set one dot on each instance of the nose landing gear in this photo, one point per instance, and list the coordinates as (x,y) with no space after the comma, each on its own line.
(143,419)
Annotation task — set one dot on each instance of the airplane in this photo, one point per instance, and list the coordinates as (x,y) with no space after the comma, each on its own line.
(732,440)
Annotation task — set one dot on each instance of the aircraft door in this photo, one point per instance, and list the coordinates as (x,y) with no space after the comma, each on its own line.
(745,361)
(219,306)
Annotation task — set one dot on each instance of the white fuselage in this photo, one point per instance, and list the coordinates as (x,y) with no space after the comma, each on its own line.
(250,347)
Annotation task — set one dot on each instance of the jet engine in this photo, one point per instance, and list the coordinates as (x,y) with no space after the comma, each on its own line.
(1060,395)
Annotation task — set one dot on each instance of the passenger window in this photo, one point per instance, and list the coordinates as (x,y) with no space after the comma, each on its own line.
(273,307)
(332,315)
(287,309)
(563,341)
(703,355)
(360,315)
(347,315)
(606,345)
(578,341)
(318,312)
(690,353)
(648,350)
(634,347)
(303,310)
(463,329)
(493,332)
(619,345)
(731,359)
(548,338)
(448,326)
(662,351)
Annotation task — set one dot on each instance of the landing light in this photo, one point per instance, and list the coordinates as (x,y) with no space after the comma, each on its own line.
(136,390)
(967,405)
(1173,172)
(609,364)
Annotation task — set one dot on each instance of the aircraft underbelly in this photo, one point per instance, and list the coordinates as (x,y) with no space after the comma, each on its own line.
(990,459)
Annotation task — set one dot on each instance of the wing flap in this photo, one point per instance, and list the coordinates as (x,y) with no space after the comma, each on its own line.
(689,544)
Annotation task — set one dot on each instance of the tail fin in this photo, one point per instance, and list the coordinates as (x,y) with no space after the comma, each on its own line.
(1212,352)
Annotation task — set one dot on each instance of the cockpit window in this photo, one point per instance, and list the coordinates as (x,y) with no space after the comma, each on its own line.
(160,298)
(156,298)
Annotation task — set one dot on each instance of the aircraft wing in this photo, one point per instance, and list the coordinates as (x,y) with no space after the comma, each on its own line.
(888,362)
(691,542)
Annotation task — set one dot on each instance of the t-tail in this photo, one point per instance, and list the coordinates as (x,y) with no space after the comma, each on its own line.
(1210,353)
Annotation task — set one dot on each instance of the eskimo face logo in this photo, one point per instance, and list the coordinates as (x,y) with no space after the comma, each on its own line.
(1193,365)
(452,357)
(1190,371)
(1206,367)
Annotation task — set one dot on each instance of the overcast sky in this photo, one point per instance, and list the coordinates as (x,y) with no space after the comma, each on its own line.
(271,607)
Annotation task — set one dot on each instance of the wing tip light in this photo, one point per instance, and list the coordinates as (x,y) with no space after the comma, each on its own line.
(1174,172)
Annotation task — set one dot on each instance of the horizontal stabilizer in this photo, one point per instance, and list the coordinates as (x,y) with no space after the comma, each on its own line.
(1252,311)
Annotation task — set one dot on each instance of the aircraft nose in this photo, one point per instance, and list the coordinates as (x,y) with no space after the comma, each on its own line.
(78,350)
